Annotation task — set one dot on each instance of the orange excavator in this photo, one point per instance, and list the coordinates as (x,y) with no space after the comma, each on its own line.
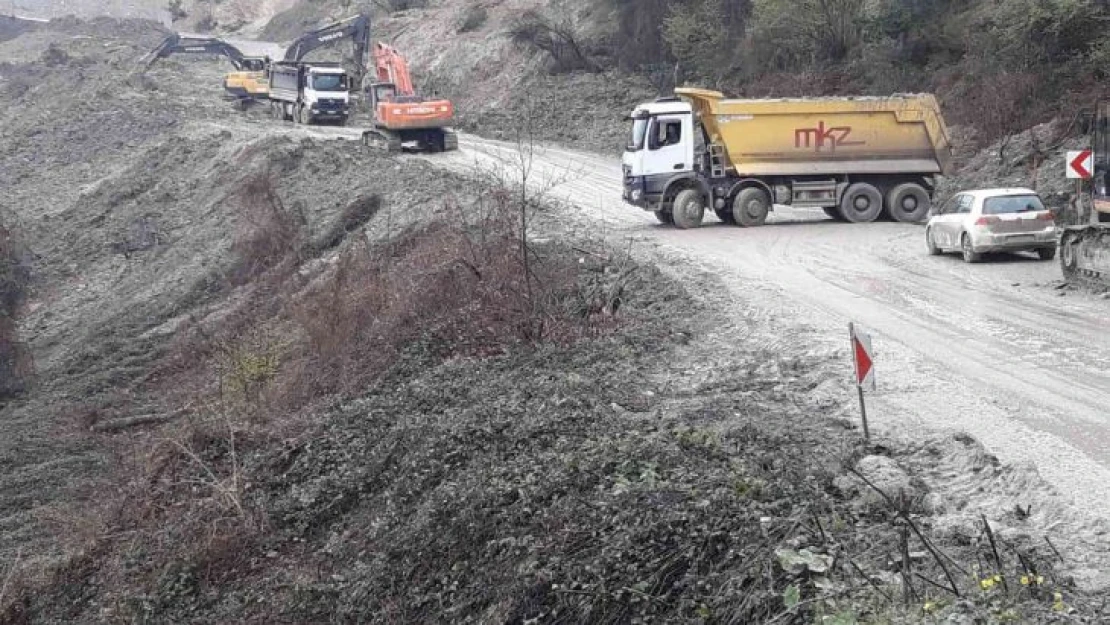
(400,114)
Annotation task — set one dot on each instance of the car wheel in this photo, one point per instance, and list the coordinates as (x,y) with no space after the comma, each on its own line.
(930,244)
(1046,253)
(970,255)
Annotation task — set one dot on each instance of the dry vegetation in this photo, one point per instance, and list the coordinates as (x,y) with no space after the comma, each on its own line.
(15,360)
(999,67)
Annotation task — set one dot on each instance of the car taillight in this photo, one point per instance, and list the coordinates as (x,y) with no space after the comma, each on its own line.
(1046,216)
(987,220)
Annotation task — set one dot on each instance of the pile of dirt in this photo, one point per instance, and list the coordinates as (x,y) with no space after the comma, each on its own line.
(10,27)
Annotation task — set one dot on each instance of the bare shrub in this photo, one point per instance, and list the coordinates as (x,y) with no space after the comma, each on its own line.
(405,5)
(998,105)
(472,286)
(15,359)
(471,19)
(558,37)
(353,217)
(269,235)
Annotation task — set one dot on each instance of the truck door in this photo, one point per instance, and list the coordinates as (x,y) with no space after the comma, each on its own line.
(670,146)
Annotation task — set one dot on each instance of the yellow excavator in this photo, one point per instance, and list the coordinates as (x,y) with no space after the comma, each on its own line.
(1085,248)
(249,82)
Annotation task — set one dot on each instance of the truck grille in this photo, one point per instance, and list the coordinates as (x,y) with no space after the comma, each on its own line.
(330,103)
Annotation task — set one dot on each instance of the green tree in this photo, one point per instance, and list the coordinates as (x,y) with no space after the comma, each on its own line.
(795,34)
(705,37)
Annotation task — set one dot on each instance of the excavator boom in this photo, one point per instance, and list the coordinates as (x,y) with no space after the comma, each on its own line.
(356,28)
(176,44)
(392,68)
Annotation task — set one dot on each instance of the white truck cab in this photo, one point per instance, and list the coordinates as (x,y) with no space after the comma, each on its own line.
(327,92)
(309,92)
(661,148)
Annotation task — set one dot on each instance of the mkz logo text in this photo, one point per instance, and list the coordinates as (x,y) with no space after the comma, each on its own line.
(820,137)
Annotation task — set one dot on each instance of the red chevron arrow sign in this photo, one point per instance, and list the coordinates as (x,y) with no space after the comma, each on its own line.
(865,369)
(1080,164)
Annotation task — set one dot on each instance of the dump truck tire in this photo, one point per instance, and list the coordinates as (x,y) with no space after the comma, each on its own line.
(861,203)
(908,203)
(750,207)
(689,209)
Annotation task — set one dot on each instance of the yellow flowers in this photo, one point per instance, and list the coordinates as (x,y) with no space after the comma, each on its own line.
(989,582)
(930,607)
(1058,602)
(1029,580)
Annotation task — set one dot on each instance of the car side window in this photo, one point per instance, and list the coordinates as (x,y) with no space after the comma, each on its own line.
(965,204)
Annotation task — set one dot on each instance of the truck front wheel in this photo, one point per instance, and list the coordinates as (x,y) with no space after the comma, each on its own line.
(861,203)
(689,208)
(306,115)
(750,207)
(908,203)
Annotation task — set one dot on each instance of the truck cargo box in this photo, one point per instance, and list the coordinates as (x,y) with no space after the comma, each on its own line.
(899,134)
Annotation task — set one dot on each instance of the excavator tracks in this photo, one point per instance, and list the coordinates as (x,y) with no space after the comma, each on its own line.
(1085,256)
(381,140)
(426,140)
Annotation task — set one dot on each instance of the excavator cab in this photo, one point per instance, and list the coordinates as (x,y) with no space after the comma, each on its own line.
(255,64)
(382,92)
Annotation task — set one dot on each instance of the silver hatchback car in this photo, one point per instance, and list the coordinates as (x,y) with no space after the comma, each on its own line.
(992,220)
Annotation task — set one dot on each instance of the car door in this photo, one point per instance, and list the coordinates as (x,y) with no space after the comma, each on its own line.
(946,222)
(961,221)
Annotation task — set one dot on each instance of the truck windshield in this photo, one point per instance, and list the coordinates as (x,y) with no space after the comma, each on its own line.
(639,133)
(1012,204)
(329,82)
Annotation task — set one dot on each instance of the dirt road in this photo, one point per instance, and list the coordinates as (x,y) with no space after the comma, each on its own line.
(990,349)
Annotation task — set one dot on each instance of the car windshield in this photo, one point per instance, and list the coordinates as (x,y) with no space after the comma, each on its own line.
(639,132)
(1012,204)
(329,82)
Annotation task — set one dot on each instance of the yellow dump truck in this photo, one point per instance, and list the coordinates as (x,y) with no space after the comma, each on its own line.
(856,158)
